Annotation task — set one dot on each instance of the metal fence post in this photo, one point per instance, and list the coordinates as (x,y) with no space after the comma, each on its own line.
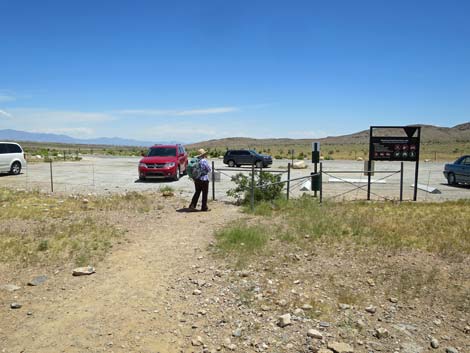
(288,180)
(321,182)
(52,180)
(401,182)
(213,181)
(252,198)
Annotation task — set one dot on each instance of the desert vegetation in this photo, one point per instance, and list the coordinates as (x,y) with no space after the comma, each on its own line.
(41,229)
(340,267)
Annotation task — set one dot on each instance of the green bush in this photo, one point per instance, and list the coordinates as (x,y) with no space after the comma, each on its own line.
(263,191)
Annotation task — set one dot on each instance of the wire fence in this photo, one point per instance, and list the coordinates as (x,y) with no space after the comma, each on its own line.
(340,180)
(393,182)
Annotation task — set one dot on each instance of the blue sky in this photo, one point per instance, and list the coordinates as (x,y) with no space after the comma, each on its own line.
(196,70)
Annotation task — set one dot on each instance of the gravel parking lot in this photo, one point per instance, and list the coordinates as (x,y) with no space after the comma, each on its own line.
(119,174)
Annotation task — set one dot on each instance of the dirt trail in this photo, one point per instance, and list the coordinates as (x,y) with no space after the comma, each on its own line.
(130,305)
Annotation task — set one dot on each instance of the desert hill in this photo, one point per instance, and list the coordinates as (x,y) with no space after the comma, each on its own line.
(429,134)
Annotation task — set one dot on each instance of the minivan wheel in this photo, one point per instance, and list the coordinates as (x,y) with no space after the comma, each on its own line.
(231,164)
(451,179)
(15,168)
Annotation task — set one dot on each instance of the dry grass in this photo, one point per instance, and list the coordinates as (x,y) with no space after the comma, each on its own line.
(47,229)
(442,228)
(79,242)
(406,249)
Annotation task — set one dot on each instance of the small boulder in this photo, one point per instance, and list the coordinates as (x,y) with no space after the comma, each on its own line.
(284,320)
(15,305)
(314,334)
(10,287)
(451,350)
(83,271)
(381,332)
(340,347)
(36,281)
(237,333)
(299,165)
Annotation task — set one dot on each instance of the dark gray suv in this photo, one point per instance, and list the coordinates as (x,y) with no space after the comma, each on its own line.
(246,157)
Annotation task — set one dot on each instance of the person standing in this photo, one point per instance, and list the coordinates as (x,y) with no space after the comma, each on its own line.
(201,183)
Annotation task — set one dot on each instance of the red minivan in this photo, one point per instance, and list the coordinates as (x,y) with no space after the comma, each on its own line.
(164,161)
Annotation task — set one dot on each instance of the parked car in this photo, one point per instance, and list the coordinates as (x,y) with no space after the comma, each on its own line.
(12,158)
(246,157)
(163,161)
(458,172)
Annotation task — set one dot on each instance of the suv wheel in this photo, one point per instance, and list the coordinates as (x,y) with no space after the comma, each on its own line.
(259,164)
(231,163)
(15,168)
(178,174)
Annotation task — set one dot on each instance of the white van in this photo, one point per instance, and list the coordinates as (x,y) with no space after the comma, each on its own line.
(12,158)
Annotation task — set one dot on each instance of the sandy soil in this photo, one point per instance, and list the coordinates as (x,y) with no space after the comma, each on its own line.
(161,287)
(128,305)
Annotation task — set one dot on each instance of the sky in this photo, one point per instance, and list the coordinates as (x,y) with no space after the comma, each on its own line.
(206,69)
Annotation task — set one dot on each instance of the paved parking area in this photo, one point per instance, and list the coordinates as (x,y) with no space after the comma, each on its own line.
(119,174)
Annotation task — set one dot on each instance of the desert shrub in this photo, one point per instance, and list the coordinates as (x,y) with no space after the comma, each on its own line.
(264,191)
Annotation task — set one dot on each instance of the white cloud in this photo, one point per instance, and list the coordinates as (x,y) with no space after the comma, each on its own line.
(5,114)
(208,111)
(59,116)
(176,112)
(6,98)
(306,134)
(171,132)
(72,131)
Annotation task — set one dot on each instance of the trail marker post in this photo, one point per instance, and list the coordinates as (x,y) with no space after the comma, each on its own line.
(315,161)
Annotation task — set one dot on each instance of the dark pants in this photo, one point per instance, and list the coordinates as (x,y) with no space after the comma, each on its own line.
(200,185)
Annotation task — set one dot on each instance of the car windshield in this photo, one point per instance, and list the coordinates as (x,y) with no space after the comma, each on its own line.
(162,152)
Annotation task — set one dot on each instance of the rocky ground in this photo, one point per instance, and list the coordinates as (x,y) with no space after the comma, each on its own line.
(165,288)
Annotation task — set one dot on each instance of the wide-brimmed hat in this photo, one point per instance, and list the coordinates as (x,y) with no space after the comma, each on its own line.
(201,152)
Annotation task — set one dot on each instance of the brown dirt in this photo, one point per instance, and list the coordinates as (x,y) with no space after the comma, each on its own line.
(128,305)
(142,297)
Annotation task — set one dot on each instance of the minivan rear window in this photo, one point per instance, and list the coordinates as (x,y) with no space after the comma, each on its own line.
(11,148)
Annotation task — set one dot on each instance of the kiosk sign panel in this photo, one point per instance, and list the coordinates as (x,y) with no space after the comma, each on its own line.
(394,148)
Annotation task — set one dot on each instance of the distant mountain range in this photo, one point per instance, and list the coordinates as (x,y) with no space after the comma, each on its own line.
(15,135)
(429,134)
